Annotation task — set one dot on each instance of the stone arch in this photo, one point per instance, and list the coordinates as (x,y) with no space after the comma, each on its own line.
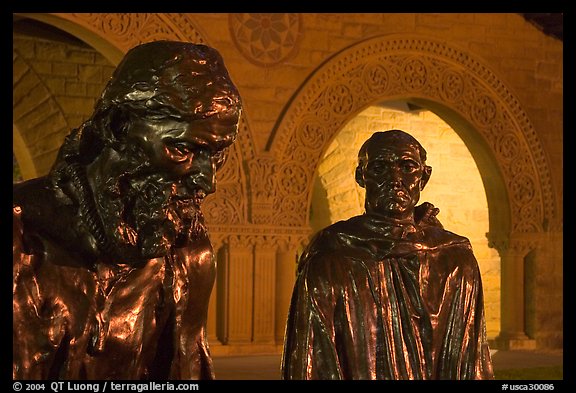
(113,35)
(440,77)
(33,107)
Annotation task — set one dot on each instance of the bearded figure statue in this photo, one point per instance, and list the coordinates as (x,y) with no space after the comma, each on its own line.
(112,264)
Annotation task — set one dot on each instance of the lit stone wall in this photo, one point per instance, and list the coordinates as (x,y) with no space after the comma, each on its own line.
(455,186)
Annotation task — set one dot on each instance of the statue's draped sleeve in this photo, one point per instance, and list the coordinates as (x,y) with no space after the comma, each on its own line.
(416,313)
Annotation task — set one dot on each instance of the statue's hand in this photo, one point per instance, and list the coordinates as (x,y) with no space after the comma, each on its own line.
(425,214)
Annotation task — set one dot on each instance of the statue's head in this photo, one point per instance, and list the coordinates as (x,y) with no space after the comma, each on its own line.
(392,168)
(159,133)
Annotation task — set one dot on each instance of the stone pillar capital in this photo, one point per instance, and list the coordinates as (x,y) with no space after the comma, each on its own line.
(291,242)
(518,244)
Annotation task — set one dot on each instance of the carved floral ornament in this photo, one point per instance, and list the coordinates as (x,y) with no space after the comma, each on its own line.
(400,67)
(266,39)
(279,239)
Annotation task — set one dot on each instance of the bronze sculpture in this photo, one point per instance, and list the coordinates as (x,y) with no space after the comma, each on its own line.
(113,267)
(389,294)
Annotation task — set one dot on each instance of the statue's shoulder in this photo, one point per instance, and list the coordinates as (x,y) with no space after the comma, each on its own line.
(337,244)
(434,233)
(336,237)
(436,237)
(31,192)
(331,256)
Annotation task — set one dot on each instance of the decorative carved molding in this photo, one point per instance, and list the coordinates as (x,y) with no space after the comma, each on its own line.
(127,30)
(281,238)
(266,39)
(262,172)
(411,67)
(243,241)
(518,244)
(228,205)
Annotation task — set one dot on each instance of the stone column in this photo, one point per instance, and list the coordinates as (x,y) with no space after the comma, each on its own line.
(512,320)
(222,273)
(286,264)
(211,324)
(235,288)
(264,290)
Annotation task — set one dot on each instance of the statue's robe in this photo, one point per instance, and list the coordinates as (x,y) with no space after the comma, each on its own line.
(375,299)
(111,322)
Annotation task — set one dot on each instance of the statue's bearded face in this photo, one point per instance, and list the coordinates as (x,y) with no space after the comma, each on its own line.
(148,192)
(155,214)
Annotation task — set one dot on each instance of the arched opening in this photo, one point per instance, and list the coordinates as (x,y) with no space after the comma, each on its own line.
(455,187)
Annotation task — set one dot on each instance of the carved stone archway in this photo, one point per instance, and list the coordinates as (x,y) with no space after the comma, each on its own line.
(465,93)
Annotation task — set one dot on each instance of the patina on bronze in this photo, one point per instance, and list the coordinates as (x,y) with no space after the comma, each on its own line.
(389,294)
(113,267)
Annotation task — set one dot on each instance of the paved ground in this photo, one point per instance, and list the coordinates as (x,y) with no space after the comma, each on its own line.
(267,367)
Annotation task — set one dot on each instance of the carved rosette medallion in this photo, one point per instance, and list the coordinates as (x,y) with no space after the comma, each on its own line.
(339,99)
(452,85)
(414,74)
(292,179)
(266,39)
(375,77)
(311,134)
(484,110)
(508,146)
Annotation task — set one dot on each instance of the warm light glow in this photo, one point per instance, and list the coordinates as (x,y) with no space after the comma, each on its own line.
(455,186)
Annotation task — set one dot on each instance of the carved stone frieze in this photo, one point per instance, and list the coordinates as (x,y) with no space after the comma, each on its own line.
(277,237)
(380,68)
(452,85)
(262,172)
(130,29)
(518,244)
